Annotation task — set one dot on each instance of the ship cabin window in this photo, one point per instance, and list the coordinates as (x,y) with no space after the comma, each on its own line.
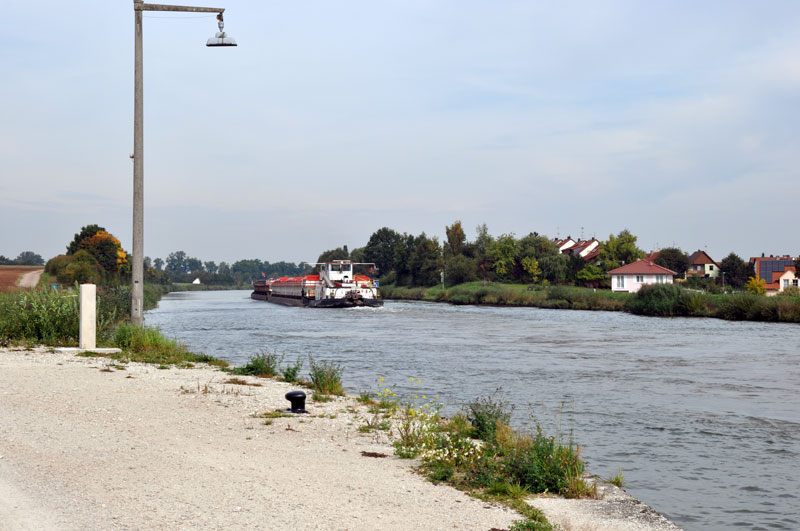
(339,267)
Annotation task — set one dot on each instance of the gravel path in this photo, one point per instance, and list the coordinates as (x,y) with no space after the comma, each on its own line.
(142,448)
(30,279)
(88,444)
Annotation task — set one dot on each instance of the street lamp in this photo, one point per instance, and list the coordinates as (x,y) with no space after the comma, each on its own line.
(220,39)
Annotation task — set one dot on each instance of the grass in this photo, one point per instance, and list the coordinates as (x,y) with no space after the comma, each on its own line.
(264,364)
(326,377)
(477,451)
(148,345)
(52,317)
(618,479)
(498,294)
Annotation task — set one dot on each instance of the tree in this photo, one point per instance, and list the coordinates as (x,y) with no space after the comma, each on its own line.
(340,253)
(531,267)
(756,285)
(86,232)
(555,267)
(619,250)
(592,274)
(211,267)
(425,261)
(403,250)
(176,263)
(193,265)
(5,261)
(674,259)
(480,249)
(158,264)
(459,269)
(357,255)
(108,252)
(82,268)
(734,271)
(29,258)
(503,252)
(456,239)
(380,249)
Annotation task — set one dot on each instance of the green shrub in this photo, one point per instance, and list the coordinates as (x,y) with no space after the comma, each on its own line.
(326,377)
(544,464)
(290,373)
(264,364)
(662,300)
(484,413)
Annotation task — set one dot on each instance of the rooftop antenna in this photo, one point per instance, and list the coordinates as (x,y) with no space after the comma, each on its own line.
(581,232)
(558,232)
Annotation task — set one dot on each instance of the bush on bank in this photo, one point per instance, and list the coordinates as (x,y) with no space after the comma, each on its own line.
(657,300)
(477,451)
(52,316)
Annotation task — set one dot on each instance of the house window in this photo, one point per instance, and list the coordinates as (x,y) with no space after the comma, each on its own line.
(785,282)
(640,279)
(794,282)
(711,268)
(620,281)
(660,279)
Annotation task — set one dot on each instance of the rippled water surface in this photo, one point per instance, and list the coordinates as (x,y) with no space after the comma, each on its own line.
(701,415)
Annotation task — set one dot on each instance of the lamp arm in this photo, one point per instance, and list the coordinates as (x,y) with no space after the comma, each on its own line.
(140,6)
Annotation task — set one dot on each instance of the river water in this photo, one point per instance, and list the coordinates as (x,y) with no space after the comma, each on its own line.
(701,415)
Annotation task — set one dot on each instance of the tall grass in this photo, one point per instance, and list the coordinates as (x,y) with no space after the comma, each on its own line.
(497,294)
(148,345)
(45,316)
(52,317)
(265,364)
(326,377)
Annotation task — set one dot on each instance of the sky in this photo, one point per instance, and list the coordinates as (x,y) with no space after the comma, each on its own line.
(675,120)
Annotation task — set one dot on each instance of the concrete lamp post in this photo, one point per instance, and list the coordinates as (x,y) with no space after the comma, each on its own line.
(137,268)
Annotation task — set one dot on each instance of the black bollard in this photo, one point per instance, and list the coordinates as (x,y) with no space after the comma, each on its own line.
(298,401)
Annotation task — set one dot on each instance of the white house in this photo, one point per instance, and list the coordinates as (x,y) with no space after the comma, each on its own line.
(633,276)
(788,279)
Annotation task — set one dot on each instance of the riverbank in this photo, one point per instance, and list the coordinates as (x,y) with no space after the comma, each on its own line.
(655,301)
(91,443)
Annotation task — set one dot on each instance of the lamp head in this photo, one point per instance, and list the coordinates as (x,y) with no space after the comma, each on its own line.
(221,38)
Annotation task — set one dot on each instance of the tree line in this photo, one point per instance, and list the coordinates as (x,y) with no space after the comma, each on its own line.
(407,260)
(25,258)
(178,267)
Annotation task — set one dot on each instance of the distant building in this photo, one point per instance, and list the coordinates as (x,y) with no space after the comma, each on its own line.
(633,276)
(196,281)
(788,279)
(580,248)
(771,270)
(702,265)
(563,244)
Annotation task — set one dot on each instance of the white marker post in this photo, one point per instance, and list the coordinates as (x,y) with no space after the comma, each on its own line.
(88,328)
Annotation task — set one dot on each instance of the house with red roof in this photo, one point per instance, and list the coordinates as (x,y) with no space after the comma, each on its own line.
(771,269)
(564,244)
(632,277)
(583,247)
(702,265)
(788,279)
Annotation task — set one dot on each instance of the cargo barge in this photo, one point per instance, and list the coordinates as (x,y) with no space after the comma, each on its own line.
(336,286)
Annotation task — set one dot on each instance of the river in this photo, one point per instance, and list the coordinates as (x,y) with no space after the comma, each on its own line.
(702,416)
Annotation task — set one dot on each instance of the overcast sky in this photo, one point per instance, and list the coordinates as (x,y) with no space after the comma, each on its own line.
(677,120)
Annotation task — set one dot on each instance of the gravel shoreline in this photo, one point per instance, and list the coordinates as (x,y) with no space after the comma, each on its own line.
(88,444)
